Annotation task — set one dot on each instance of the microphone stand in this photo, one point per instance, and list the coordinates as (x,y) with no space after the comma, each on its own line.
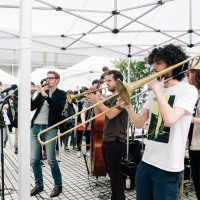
(84,155)
(2,125)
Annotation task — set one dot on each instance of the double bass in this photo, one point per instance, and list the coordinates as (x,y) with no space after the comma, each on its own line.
(98,167)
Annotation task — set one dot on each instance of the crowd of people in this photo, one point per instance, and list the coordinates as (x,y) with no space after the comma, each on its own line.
(172,110)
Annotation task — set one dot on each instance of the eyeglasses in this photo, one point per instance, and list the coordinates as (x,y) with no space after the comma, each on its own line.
(50,78)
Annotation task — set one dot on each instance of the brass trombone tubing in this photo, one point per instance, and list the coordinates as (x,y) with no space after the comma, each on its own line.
(70,97)
(68,131)
(135,96)
(125,90)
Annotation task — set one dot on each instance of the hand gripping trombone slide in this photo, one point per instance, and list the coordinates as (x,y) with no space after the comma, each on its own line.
(124,91)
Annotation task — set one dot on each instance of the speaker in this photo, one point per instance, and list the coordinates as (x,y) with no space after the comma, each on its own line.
(136,149)
(128,169)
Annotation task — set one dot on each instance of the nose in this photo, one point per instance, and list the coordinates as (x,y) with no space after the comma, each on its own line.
(154,67)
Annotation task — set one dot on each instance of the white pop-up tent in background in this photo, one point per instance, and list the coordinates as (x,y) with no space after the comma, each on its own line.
(7,79)
(83,73)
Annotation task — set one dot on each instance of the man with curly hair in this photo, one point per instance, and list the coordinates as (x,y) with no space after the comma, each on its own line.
(169,109)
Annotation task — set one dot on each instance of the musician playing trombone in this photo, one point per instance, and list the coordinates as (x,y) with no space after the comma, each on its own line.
(169,109)
(114,134)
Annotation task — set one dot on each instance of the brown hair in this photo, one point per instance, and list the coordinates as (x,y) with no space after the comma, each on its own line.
(57,76)
(196,77)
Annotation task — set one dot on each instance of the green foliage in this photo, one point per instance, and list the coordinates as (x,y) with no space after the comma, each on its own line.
(138,70)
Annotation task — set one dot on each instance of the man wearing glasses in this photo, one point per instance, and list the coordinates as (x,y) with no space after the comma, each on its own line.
(49,105)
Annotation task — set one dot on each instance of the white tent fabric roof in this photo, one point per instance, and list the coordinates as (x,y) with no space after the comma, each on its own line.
(86,27)
(83,73)
(7,79)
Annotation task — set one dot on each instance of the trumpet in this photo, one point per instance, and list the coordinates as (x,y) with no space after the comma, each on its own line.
(42,85)
(71,97)
(124,91)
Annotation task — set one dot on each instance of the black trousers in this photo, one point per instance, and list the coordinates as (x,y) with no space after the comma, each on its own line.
(112,153)
(195,167)
(79,135)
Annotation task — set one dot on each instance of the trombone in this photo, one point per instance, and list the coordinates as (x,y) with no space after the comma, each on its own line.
(71,97)
(124,91)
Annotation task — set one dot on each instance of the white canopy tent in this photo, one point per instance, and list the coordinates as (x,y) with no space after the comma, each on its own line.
(7,79)
(90,27)
(83,73)
(104,28)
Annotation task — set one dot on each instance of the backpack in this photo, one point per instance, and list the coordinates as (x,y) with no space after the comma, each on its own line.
(68,110)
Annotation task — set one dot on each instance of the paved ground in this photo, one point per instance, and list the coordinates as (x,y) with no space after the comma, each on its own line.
(77,184)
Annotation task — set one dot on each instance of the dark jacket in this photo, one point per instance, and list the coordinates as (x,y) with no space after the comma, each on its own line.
(56,105)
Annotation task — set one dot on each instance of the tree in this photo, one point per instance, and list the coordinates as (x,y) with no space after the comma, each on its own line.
(138,70)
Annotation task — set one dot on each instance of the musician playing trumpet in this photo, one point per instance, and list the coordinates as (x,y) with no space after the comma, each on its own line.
(169,109)
(49,105)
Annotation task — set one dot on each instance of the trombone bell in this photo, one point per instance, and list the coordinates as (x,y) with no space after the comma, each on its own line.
(125,89)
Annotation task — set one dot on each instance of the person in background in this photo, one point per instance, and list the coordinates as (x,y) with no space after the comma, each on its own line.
(194,133)
(15,123)
(67,112)
(80,130)
(169,109)
(114,133)
(6,109)
(49,105)
(85,115)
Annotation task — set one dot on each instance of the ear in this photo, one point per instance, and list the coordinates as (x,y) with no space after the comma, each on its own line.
(57,81)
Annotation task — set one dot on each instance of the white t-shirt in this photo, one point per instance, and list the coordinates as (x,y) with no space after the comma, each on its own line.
(165,147)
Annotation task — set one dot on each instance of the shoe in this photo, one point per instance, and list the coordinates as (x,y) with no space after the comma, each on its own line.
(107,177)
(42,164)
(88,153)
(16,150)
(56,191)
(44,156)
(79,154)
(36,190)
(66,148)
(75,148)
(4,145)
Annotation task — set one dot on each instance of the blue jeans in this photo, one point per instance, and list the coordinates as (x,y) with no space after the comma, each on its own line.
(36,151)
(153,183)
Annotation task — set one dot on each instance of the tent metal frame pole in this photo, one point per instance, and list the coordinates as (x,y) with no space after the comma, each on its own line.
(145,5)
(158,44)
(73,14)
(84,34)
(128,80)
(138,17)
(190,21)
(23,103)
